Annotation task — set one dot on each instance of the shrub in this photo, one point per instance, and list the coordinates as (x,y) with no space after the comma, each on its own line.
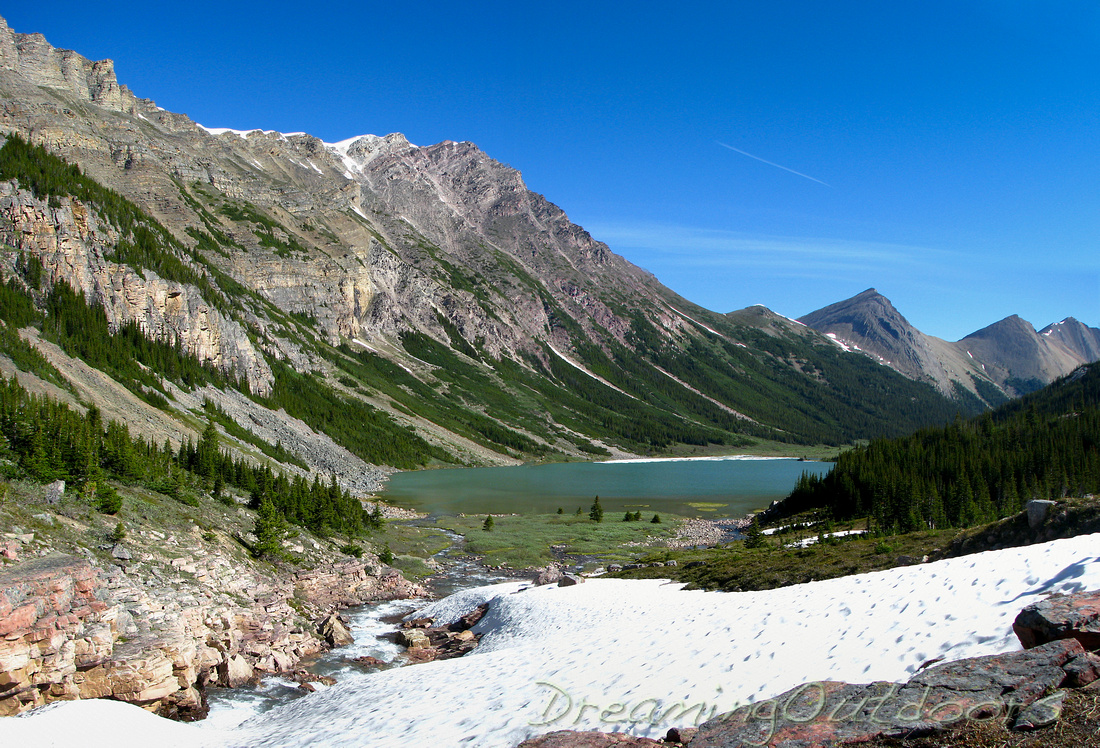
(754,536)
(108,500)
(656,519)
(386,556)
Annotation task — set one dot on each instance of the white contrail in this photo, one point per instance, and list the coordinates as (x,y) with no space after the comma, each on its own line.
(770,163)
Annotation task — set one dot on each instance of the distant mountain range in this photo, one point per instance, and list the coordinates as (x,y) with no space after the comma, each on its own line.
(412,305)
(1004,360)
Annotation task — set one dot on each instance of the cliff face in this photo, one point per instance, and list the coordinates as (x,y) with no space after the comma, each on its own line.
(384,227)
(72,242)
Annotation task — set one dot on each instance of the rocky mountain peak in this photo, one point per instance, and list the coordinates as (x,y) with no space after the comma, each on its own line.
(44,65)
(1075,335)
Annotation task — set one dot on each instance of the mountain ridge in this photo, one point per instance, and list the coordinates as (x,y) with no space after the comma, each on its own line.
(424,289)
(1003,360)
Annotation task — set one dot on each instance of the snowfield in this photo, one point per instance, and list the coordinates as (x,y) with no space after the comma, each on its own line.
(637,656)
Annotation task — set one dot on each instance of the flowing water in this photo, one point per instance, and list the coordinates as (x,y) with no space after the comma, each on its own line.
(373,627)
(719,487)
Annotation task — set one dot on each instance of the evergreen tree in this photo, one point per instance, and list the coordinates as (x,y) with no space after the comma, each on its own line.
(487,525)
(270,529)
(596,512)
(754,536)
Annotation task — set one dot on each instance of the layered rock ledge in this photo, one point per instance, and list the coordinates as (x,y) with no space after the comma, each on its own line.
(70,629)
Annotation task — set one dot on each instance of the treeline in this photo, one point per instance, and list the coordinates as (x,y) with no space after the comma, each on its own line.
(144,242)
(141,363)
(45,440)
(1044,446)
(126,354)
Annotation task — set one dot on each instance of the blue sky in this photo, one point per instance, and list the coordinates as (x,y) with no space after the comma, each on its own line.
(787,153)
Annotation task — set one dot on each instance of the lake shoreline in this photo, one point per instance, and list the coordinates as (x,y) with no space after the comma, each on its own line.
(698,486)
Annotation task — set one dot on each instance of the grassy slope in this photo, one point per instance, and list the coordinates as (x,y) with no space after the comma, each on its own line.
(521,541)
(735,567)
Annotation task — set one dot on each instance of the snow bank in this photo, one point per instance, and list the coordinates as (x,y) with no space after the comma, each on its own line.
(641,656)
(99,722)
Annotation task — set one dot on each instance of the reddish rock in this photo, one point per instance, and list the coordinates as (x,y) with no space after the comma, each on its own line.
(421,655)
(1061,617)
(1082,670)
(20,619)
(572,739)
(936,699)
(470,619)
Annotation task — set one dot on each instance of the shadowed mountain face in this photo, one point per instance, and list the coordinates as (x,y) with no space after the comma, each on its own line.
(1008,357)
(423,289)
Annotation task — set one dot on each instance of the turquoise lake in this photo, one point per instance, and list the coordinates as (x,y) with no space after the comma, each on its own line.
(726,487)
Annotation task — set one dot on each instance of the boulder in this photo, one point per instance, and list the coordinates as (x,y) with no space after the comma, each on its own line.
(467,621)
(54,492)
(413,639)
(1037,512)
(828,713)
(234,671)
(1041,713)
(1074,616)
(332,629)
(569,580)
(1082,670)
(550,575)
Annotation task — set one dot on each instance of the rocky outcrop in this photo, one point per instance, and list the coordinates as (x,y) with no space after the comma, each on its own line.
(425,642)
(73,244)
(570,739)
(550,574)
(1024,690)
(832,713)
(1061,617)
(71,630)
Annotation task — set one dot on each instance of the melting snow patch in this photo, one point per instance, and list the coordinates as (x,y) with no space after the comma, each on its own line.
(645,651)
(599,379)
(692,319)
